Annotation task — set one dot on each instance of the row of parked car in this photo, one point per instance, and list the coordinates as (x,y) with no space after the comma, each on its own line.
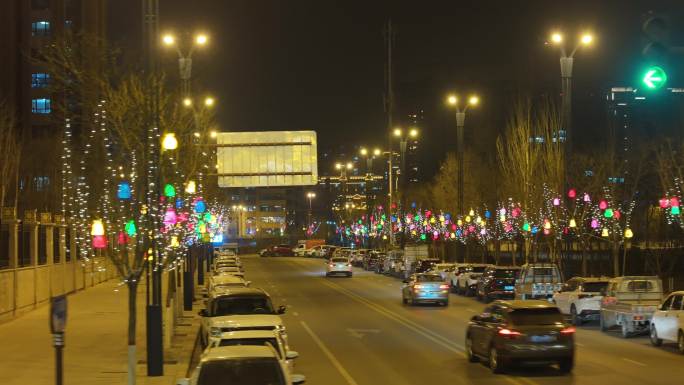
(242,333)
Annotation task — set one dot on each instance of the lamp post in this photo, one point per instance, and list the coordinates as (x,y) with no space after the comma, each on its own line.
(208,103)
(185,58)
(452,100)
(566,63)
(403,142)
(369,185)
(310,196)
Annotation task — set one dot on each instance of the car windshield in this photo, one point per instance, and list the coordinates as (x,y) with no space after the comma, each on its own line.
(251,341)
(242,305)
(478,269)
(594,287)
(339,260)
(428,278)
(548,271)
(640,285)
(233,284)
(245,371)
(506,273)
(539,316)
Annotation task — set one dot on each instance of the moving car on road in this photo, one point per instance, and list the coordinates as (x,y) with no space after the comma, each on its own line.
(538,281)
(371,260)
(338,266)
(581,298)
(512,332)
(278,251)
(630,303)
(466,283)
(668,321)
(425,287)
(497,282)
(242,365)
(239,309)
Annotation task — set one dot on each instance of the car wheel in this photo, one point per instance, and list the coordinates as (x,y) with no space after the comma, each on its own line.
(452,287)
(655,341)
(478,296)
(495,361)
(566,365)
(625,330)
(680,342)
(469,350)
(349,275)
(574,317)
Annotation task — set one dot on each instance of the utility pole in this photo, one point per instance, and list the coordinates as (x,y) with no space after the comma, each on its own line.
(389,110)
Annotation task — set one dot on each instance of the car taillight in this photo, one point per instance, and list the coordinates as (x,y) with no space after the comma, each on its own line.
(568,330)
(508,333)
(444,286)
(417,286)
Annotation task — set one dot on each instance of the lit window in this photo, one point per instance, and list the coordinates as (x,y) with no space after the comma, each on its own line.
(40,80)
(40,28)
(40,106)
(41,182)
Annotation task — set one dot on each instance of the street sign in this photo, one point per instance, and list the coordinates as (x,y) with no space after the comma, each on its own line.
(654,78)
(58,314)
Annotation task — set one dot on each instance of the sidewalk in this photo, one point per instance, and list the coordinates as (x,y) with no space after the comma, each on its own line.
(95,342)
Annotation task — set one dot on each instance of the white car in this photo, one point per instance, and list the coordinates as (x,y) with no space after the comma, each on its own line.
(466,283)
(338,266)
(239,309)
(234,270)
(443,269)
(259,337)
(241,365)
(581,298)
(667,323)
(225,281)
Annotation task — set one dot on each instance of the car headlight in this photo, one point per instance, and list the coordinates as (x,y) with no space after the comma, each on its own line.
(215,332)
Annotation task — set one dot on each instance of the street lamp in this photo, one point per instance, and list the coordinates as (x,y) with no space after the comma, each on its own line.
(566,62)
(452,101)
(185,58)
(403,142)
(370,155)
(310,196)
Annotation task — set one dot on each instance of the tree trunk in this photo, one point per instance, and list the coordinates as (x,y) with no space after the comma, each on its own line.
(132,319)
(615,246)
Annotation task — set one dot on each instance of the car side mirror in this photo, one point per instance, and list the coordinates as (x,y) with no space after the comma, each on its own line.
(298,379)
(203,313)
(282,309)
(183,381)
(291,355)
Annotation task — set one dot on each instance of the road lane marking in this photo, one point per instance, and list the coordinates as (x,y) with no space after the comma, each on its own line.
(471,310)
(329,354)
(579,344)
(360,333)
(634,362)
(295,314)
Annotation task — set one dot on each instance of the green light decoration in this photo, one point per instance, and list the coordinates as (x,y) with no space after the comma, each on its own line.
(130,228)
(169,191)
(422,237)
(359,221)
(608,213)
(526,227)
(207,217)
(674,210)
(383,217)
(654,78)
(379,227)
(416,218)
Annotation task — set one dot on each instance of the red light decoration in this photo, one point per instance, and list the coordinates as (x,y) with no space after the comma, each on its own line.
(664,202)
(572,193)
(603,204)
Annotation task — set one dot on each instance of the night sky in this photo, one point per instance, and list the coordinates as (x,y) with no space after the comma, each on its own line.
(318,64)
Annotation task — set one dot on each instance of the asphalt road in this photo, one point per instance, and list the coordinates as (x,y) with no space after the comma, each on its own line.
(351,331)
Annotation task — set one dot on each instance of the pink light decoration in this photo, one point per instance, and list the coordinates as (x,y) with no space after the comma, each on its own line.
(483,232)
(123,238)
(502,211)
(516,212)
(547,231)
(508,228)
(587,198)
(170,217)
(572,193)
(556,201)
(616,214)
(664,202)
(594,223)
(471,228)
(428,214)
(674,202)
(99,242)
(603,204)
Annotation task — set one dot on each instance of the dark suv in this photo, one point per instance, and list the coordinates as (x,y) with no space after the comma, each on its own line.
(497,282)
(516,332)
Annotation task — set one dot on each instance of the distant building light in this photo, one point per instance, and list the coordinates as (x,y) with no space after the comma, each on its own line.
(40,28)
(622,104)
(639,97)
(588,173)
(41,106)
(40,80)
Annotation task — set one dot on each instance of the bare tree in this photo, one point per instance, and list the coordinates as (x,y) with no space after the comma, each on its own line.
(10,151)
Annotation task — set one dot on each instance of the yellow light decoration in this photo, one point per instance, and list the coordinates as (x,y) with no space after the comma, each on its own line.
(170,142)
(452,236)
(432,220)
(174,242)
(459,222)
(425,223)
(628,233)
(502,218)
(604,232)
(97,228)
(547,225)
(468,219)
(573,224)
(413,233)
(471,213)
(441,218)
(384,237)
(191,187)
(478,220)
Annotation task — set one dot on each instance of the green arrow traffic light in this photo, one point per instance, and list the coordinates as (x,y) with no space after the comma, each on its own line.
(654,78)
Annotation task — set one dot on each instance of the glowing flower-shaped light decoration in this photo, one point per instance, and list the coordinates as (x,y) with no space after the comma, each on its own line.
(603,204)
(628,233)
(573,223)
(169,190)
(572,193)
(123,191)
(664,202)
(594,223)
(604,232)
(97,227)
(586,198)
(130,228)
(170,217)
(556,201)
(200,207)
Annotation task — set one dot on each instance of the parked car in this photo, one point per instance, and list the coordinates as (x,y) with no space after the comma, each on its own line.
(668,321)
(259,338)
(425,265)
(278,251)
(357,257)
(225,281)
(512,332)
(630,302)
(443,269)
(497,282)
(338,266)
(425,287)
(581,298)
(538,281)
(371,260)
(452,276)
(232,270)
(380,264)
(238,309)
(241,365)
(466,283)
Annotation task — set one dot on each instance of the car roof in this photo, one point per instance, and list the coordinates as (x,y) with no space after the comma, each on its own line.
(227,278)
(241,351)
(505,267)
(250,334)
(239,291)
(592,279)
(525,304)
